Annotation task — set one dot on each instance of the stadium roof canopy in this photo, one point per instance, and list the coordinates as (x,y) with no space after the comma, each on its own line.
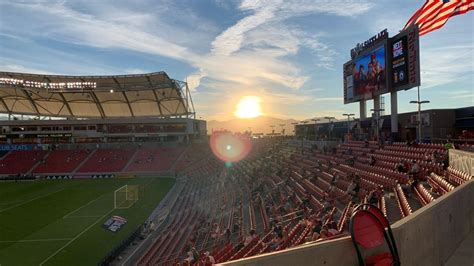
(142,95)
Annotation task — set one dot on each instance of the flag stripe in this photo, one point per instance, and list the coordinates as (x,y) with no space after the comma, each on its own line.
(435,13)
(441,20)
(442,12)
(439,25)
(415,16)
(428,12)
(448,8)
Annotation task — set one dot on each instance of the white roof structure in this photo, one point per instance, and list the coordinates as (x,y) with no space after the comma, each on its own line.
(142,95)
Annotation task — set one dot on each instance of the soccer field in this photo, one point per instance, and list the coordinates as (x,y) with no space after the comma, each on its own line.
(59,222)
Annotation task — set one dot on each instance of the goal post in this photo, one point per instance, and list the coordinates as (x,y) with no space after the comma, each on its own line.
(125,196)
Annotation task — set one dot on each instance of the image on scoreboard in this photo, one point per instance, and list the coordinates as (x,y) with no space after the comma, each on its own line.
(368,73)
(399,62)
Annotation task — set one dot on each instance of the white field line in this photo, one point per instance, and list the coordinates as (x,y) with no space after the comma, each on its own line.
(85,216)
(67,215)
(35,240)
(76,237)
(11,202)
(82,216)
(149,181)
(30,200)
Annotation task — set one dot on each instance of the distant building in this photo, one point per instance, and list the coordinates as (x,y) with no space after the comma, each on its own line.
(437,125)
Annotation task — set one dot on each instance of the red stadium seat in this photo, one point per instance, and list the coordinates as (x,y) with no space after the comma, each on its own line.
(20,162)
(367,232)
(107,160)
(62,161)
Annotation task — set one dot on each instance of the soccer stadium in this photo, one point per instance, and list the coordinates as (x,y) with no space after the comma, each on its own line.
(128,169)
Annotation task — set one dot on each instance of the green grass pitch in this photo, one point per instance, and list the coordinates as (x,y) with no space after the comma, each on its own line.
(59,222)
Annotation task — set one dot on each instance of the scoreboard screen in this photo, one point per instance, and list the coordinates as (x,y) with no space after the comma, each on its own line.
(399,62)
(405,60)
(366,75)
(385,65)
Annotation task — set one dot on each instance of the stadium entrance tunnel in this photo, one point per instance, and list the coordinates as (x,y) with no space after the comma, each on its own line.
(229,147)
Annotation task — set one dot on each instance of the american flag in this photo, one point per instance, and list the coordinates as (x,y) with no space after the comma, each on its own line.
(435,13)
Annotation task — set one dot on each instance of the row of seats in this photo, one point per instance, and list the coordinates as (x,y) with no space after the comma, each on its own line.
(423,195)
(253,219)
(61,161)
(432,146)
(419,150)
(185,216)
(89,161)
(149,160)
(402,201)
(457,176)
(439,184)
(400,154)
(290,177)
(107,160)
(20,162)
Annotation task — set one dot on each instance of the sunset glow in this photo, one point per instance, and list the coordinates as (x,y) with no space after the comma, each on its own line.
(249,107)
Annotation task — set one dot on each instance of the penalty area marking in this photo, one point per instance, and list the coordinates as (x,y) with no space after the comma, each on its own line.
(68,215)
(76,237)
(35,240)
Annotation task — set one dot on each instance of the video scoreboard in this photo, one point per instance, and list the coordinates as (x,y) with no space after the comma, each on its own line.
(381,65)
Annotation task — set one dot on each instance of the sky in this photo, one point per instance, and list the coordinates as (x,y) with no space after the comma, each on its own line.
(287,52)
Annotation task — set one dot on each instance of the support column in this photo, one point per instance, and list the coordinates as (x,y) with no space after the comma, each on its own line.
(376,102)
(394,112)
(377,116)
(362,110)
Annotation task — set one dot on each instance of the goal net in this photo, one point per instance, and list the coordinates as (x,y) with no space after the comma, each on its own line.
(125,196)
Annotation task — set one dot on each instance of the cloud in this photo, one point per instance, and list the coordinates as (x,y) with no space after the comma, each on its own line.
(328,99)
(194,80)
(325,55)
(447,64)
(231,39)
(65,24)
(23,69)
(257,53)
(254,51)
(135,71)
(462,95)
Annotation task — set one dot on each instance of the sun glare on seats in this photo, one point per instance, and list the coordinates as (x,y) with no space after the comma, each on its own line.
(229,147)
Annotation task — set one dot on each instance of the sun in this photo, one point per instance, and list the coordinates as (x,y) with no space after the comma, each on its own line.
(248,107)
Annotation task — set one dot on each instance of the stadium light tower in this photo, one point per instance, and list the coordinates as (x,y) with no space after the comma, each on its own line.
(315,126)
(305,128)
(282,129)
(330,118)
(273,129)
(419,103)
(377,122)
(348,119)
(294,127)
(305,132)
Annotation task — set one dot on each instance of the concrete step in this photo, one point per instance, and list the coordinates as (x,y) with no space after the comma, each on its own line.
(393,212)
(132,159)
(83,162)
(39,162)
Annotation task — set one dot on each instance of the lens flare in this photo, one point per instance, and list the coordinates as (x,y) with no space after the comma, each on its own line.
(229,147)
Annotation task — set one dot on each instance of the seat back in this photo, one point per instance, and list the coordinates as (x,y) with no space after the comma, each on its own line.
(385,223)
(376,212)
(368,232)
